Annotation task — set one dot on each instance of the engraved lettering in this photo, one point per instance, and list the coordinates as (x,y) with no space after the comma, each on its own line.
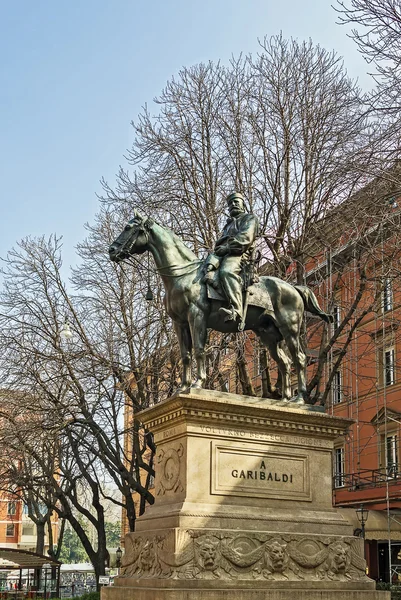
(168,433)
(262,465)
(261,475)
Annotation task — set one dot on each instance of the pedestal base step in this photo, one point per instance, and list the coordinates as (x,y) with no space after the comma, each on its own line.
(301,593)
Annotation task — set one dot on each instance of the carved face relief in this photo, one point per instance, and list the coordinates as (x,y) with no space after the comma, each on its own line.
(276,555)
(146,556)
(339,557)
(208,553)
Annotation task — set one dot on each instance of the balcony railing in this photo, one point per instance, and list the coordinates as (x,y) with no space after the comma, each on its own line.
(367,478)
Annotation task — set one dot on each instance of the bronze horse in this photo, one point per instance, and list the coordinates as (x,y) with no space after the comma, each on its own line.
(277,321)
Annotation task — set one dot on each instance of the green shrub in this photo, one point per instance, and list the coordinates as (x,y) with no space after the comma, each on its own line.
(394,589)
(382,585)
(90,596)
(86,596)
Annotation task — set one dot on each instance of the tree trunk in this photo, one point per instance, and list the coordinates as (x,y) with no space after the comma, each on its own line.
(40,537)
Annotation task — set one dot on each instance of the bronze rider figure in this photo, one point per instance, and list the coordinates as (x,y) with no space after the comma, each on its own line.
(234,250)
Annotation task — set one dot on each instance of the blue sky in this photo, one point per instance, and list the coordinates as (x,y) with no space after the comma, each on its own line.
(74,73)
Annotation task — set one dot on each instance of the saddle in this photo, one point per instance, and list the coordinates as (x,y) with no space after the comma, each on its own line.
(255,296)
(250,283)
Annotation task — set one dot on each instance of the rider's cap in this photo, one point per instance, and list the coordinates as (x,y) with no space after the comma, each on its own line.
(235,195)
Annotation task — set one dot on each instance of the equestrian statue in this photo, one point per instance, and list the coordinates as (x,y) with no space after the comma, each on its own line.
(224,293)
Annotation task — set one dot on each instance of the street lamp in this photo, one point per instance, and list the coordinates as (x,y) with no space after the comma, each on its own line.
(119,554)
(65,331)
(362,513)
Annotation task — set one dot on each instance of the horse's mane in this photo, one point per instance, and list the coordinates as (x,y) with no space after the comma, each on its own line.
(180,242)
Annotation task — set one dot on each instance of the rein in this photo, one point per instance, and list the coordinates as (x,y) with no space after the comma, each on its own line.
(194,264)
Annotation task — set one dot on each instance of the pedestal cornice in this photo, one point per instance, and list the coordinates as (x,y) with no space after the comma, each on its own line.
(212,408)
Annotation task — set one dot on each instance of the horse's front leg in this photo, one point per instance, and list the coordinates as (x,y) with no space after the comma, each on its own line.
(197,324)
(185,342)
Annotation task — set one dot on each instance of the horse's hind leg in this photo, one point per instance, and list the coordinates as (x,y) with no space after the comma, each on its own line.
(290,334)
(272,339)
(197,324)
(185,343)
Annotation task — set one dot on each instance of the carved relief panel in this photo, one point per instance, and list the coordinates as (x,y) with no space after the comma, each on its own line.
(213,554)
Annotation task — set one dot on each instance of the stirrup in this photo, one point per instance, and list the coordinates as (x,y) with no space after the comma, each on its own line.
(229,313)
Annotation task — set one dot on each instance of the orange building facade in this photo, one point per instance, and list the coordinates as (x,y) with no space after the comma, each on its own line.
(17,530)
(366,388)
(10,521)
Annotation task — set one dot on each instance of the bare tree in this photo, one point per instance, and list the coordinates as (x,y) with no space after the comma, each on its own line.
(74,392)
(377,33)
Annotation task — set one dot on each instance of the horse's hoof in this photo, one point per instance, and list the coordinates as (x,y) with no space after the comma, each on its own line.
(197,385)
(297,400)
(181,390)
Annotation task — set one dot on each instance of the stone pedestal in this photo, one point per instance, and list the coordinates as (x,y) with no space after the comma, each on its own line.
(243,505)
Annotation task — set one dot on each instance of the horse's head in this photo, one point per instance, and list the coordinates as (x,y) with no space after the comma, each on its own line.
(132,240)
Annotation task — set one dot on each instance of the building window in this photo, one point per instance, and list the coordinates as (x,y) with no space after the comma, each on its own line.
(336,388)
(392,454)
(387,295)
(389,366)
(339,467)
(28,529)
(11,508)
(336,317)
(10,531)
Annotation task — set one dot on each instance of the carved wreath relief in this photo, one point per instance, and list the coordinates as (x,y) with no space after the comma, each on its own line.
(219,555)
(169,462)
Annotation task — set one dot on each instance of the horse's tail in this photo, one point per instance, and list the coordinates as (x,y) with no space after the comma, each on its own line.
(311,304)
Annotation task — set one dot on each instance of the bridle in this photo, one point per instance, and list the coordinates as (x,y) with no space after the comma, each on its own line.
(127,246)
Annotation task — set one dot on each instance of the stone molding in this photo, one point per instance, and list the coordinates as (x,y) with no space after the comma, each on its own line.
(258,414)
(213,554)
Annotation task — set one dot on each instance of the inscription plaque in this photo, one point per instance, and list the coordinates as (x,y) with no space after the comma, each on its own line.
(263,473)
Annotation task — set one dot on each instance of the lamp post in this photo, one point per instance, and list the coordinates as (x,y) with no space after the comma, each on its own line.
(119,554)
(362,513)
